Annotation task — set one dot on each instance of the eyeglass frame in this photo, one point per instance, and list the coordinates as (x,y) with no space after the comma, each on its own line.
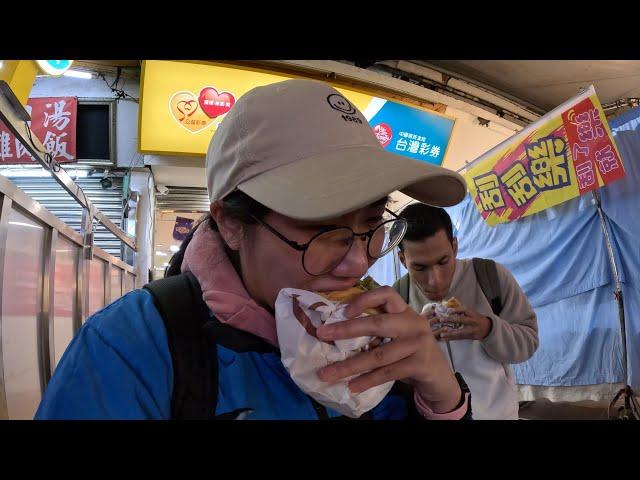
(303,247)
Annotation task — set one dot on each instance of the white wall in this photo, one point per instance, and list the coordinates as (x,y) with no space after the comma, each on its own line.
(143,183)
(178,170)
(126,110)
(470,139)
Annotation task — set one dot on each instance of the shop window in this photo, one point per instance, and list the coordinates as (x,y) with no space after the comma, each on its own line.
(95,135)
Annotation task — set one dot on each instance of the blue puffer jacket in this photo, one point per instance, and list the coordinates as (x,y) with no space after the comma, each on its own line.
(119,366)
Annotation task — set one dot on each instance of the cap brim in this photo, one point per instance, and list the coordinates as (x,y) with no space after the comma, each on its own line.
(329,185)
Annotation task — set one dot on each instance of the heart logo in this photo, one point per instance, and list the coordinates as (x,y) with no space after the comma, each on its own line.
(186,111)
(215,104)
(383,133)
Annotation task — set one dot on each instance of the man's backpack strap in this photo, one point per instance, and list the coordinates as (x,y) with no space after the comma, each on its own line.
(403,288)
(487,275)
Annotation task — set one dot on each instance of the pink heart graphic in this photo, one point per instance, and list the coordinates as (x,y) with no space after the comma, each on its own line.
(215,104)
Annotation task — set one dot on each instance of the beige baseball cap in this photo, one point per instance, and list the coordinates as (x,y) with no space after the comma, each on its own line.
(302,149)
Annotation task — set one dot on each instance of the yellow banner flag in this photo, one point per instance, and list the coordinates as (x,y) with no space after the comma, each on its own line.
(568,152)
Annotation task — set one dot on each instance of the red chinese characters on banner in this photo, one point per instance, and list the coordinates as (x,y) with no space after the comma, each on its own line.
(591,147)
(53,122)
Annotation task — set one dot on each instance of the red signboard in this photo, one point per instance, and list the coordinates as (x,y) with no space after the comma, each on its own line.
(591,146)
(53,122)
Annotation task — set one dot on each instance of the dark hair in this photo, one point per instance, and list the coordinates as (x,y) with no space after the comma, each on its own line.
(237,205)
(425,221)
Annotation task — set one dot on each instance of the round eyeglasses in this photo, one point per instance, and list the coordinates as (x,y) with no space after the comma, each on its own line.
(328,248)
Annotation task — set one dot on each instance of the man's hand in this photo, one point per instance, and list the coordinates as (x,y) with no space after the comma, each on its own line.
(474,326)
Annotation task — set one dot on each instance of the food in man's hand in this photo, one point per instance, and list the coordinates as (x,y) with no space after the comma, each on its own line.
(452,302)
(443,311)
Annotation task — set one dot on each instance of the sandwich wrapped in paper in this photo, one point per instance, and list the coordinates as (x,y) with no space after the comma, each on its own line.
(445,311)
(298,315)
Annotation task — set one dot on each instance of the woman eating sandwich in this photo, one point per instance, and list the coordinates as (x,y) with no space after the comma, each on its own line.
(298,200)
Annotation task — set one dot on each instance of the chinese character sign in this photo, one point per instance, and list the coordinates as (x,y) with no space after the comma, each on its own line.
(568,152)
(595,156)
(53,122)
(408,131)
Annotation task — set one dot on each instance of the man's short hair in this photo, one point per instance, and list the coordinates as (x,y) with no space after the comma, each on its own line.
(424,221)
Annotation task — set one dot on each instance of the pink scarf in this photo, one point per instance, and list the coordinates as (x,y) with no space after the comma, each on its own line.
(222,289)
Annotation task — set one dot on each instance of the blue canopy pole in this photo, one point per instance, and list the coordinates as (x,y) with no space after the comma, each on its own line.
(631,410)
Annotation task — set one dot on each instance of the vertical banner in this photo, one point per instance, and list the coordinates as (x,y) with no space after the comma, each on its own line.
(568,152)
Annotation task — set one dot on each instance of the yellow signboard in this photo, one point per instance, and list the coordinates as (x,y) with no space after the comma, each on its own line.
(183,103)
(19,75)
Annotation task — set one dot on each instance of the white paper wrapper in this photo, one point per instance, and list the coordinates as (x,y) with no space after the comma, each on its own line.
(298,314)
(443,314)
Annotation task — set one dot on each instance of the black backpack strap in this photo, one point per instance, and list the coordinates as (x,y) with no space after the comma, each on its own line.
(238,340)
(403,287)
(192,343)
(487,275)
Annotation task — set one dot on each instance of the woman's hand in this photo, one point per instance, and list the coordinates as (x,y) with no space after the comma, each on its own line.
(412,355)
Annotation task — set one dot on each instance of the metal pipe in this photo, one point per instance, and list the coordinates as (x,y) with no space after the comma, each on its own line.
(622,102)
(5,211)
(45,319)
(616,276)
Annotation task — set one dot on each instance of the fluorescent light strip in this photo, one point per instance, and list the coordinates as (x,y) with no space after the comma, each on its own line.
(77,74)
